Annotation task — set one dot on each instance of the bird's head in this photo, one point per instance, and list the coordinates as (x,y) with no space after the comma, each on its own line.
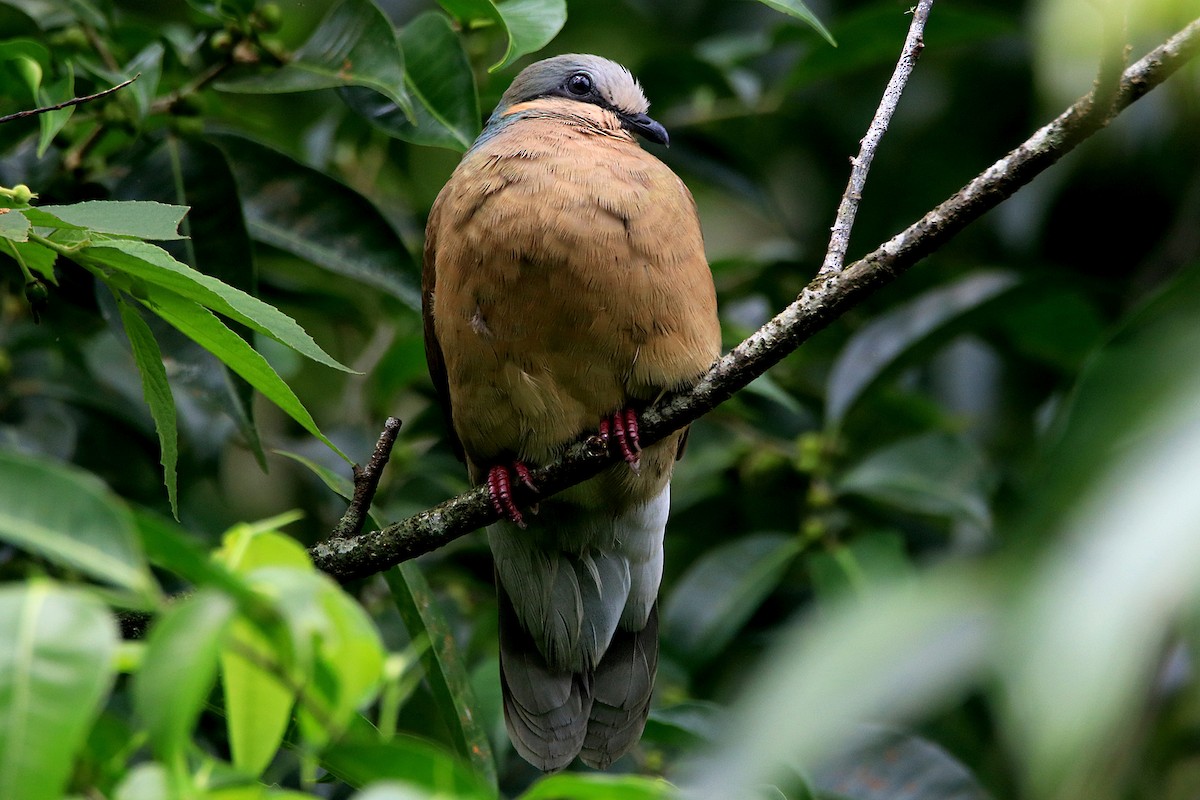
(586,79)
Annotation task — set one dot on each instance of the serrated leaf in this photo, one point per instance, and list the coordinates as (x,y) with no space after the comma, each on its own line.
(56,666)
(354,45)
(179,669)
(141,219)
(721,590)
(303,212)
(442,86)
(798,10)
(14,226)
(201,326)
(445,671)
(71,518)
(884,343)
(157,392)
(155,266)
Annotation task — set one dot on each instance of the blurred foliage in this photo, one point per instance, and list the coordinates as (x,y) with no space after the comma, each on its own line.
(948,549)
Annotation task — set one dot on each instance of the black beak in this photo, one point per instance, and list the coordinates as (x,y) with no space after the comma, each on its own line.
(643,126)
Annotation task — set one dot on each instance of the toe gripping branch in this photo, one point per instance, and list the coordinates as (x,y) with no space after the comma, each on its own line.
(622,428)
(500,485)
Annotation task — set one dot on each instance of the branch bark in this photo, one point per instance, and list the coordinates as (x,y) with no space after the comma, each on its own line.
(821,302)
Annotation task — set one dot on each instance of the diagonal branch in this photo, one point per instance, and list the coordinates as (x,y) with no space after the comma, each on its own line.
(74,101)
(821,302)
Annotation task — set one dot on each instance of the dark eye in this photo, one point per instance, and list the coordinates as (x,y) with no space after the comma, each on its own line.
(580,83)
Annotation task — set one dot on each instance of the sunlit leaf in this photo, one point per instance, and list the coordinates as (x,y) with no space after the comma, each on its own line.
(566,786)
(56,666)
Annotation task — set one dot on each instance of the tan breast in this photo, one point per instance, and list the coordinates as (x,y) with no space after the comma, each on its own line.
(570,281)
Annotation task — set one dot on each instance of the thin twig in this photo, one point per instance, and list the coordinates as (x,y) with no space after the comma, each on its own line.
(821,302)
(366,482)
(74,101)
(860,165)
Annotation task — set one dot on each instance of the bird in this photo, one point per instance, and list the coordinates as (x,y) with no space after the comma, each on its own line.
(564,289)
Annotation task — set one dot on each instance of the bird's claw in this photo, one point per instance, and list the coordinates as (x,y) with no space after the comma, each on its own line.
(623,427)
(500,483)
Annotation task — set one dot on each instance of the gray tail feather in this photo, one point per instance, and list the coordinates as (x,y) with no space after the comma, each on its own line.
(621,689)
(554,715)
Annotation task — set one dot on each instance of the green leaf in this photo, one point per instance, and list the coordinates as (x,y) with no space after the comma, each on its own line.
(336,653)
(354,45)
(155,266)
(529,24)
(258,706)
(445,670)
(798,10)
(891,339)
(441,84)
(883,764)
(717,595)
(201,326)
(56,667)
(14,226)
(409,760)
(868,561)
(141,219)
(51,122)
(897,651)
(935,473)
(168,546)
(157,392)
(71,518)
(566,786)
(179,669)
(304,212)
(29,60)
(37,257)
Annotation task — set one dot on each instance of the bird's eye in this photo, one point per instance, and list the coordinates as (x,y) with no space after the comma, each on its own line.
(580,83)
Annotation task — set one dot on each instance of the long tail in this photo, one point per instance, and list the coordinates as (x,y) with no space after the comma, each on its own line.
(554,715)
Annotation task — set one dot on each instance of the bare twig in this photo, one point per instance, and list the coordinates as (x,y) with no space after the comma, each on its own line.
(821,302)
(74,101)
(366,481)
(839,240)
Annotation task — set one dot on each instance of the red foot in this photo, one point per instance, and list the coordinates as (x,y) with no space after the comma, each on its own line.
(499,483)
(623,426)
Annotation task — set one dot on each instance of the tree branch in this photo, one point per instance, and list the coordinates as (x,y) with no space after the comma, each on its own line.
(74,101)
(821,302)
(860,165)
(366,482)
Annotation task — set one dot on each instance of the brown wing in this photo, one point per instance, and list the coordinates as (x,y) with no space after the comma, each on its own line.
(433,350)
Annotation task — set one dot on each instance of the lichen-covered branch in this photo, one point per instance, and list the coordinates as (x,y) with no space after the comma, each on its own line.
(822,301)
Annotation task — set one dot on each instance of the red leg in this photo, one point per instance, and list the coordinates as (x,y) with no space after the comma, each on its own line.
(623,426)
(499,483)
